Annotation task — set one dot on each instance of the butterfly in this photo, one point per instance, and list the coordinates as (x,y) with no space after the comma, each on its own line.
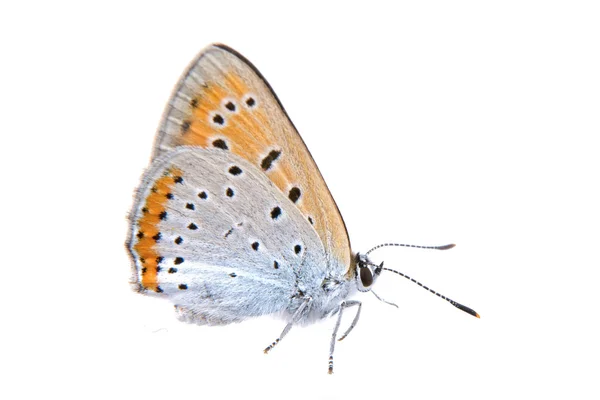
(233,219)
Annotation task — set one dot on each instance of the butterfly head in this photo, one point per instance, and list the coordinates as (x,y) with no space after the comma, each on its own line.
(366,272)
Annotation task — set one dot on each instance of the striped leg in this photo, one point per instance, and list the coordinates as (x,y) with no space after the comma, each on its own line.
(344,304)
(297,315)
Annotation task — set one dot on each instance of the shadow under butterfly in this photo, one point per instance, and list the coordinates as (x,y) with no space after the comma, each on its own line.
(233,219)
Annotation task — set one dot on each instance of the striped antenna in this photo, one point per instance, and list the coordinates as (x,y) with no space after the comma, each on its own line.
(444,247)
(454,303)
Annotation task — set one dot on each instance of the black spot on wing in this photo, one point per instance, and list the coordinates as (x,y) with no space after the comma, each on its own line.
(218,119)
(267,162)
(275,212)
(220,144)
(294,194)
(185,126)
(235,170)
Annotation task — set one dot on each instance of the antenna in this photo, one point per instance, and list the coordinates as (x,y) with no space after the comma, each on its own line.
(444,247)
(454,303)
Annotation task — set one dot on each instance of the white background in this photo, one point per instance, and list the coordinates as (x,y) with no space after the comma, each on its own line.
(432,122)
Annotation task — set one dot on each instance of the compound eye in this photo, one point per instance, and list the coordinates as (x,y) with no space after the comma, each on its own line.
(366,277)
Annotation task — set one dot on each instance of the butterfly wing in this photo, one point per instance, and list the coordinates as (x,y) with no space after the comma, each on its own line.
(212,232)
(223,102)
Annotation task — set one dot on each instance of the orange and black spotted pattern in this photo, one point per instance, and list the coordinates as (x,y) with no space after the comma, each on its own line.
(234,115)
(148,232)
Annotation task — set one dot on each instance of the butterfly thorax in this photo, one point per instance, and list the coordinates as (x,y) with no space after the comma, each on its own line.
(325,291)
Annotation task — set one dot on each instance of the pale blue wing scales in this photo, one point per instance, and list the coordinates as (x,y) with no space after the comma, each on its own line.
(232,245)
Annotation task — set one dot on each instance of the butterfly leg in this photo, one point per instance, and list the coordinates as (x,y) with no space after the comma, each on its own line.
(354,321)
(297,315)
(384,300)
(344,304)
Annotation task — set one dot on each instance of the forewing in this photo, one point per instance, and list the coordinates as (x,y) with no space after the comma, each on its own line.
(223,102)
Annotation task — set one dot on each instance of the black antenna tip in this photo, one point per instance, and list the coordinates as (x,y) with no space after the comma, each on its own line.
(466,309)
(446,247)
